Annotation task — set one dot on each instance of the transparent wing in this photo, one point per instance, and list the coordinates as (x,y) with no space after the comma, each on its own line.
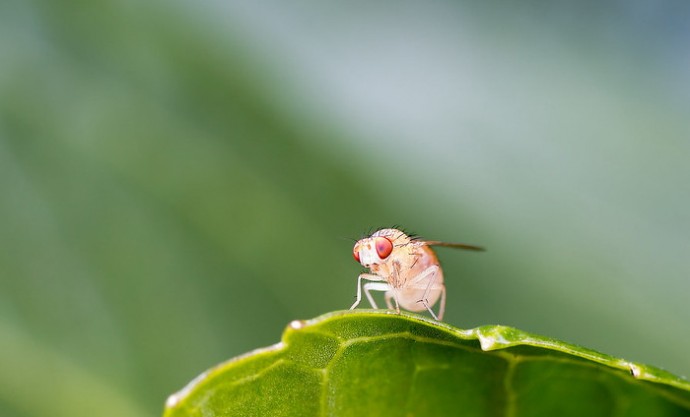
(454,245)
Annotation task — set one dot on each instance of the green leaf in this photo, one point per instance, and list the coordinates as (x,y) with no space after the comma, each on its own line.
(383,364)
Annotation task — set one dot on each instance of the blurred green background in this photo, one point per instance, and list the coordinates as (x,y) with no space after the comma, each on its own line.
(181,179)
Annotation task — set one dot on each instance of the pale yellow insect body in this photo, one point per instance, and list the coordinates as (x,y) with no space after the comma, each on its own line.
(405,268)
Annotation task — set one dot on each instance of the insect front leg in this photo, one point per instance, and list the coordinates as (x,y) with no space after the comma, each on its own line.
(367,288)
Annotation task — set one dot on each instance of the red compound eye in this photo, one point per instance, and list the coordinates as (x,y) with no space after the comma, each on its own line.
(384,247)
(355,253)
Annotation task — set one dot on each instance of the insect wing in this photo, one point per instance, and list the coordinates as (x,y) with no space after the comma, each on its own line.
(454,245)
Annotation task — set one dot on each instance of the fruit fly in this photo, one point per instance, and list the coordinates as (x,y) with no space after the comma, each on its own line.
(405,268)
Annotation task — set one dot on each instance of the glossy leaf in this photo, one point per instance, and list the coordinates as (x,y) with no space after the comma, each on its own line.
(379,363)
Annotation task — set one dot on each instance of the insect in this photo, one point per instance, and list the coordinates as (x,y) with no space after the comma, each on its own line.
(405,267)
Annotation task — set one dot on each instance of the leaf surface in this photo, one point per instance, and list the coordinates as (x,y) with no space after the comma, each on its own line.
(379,363)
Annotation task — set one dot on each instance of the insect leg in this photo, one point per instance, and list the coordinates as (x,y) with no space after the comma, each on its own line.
(418,280)
(442,309)
(375,286)
(390,294)
(370,277)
